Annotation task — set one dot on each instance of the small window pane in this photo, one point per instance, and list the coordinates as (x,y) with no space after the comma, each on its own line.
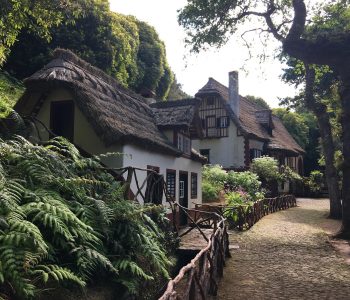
(171,183)
(194,185)
(182,189)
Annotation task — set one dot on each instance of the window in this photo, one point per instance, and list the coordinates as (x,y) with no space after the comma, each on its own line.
(223,122)
(194,185)
(171,182)
(255,153)
(211,128)
(62,118)
(206,153)
(182,189)
(184,143)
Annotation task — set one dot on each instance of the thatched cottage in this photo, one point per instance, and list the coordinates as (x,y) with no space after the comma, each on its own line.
(236,130)
(83,104)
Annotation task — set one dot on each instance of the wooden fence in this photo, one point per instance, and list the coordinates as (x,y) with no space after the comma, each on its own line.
(199,278)
(243,217)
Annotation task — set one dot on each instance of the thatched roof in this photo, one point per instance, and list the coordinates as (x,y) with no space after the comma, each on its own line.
(117,114)
(249,121)
(182,113)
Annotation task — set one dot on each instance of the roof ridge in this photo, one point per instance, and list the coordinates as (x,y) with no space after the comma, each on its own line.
(70,56)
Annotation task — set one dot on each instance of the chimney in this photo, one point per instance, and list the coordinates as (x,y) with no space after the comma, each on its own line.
(233,92)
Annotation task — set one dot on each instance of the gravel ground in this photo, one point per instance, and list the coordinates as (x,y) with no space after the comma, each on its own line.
(287,255)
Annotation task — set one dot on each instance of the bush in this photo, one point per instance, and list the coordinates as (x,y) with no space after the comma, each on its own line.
(214,179)
(215,175)
(246,181)
(266,168)
(315,181)
(287,174)
(209,191)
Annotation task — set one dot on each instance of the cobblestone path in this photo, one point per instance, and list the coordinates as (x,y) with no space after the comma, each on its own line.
(287,255)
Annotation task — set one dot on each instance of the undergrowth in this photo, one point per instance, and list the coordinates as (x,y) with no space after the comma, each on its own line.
(64,222)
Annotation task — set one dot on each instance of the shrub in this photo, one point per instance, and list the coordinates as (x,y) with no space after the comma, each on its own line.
(214,179)
(209,191)
(246,181)
(315,181)
(215,175)
(287,174)
(266,168)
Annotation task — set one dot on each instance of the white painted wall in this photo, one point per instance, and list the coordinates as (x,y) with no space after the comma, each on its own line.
(84,135)
(225,151)
(129,155)
(138,157)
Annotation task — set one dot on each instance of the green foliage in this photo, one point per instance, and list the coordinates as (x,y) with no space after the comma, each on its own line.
(122,46)
(258,101)
(209,191)
(287,174)
(62,221)
(247,182)
(295,124)
(266,168)
(315,181)
(176,92)
(10,90)
(36,16)
(214,174)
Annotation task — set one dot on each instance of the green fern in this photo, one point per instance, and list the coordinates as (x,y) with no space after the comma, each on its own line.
(63,219)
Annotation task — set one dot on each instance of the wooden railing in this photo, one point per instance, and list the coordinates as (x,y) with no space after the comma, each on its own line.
(250,214)
(245,216)
(199,278)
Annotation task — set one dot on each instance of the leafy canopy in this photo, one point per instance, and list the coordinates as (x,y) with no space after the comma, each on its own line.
(127,49)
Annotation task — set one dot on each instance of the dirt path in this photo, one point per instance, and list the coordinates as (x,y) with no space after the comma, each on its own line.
(287,255)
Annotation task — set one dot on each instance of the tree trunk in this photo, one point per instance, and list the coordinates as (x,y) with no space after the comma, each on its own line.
(335,211)
(345,100)
(320,111)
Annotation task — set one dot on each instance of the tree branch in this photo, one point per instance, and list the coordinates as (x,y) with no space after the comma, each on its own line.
(298,25)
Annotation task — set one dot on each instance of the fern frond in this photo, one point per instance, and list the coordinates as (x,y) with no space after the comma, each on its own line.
(130,266)
(57,273)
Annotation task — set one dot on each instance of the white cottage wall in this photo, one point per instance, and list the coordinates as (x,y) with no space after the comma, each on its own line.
(225,151)
(84,135)
(138,157)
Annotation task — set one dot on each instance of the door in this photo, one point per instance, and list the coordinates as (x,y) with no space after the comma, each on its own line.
(183,196)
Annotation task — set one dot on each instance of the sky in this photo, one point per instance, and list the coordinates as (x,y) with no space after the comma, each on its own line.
(192,71)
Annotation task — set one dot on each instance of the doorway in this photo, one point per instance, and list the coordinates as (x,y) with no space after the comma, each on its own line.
(183,196)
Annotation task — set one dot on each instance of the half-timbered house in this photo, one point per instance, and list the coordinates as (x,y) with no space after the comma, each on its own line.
(235,130)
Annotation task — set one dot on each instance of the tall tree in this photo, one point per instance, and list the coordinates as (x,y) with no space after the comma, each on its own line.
(38,16)
(316,102)
(122,46)
(176,92)
(259,101)
(211,22)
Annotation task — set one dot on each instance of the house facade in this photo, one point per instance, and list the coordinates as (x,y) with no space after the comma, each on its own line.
(235,130)
(71,98)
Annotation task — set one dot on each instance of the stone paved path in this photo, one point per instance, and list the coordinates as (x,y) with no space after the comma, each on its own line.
(287,255)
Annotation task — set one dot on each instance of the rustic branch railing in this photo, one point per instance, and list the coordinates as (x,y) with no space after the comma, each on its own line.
(198,279)
(245,216)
